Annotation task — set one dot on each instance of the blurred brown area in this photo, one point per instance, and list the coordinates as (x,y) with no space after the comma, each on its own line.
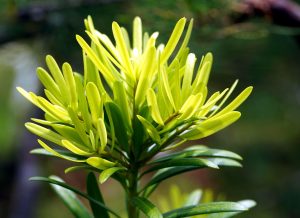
(256,41)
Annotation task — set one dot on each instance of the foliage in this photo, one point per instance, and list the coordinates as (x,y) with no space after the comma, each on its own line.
(134,101)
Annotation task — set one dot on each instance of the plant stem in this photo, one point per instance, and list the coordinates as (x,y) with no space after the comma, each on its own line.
(132,192)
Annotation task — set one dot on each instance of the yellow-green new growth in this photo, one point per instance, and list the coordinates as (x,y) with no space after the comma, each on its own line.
(133,100)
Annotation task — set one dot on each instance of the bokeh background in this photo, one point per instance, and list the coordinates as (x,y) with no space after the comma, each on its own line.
(256,41)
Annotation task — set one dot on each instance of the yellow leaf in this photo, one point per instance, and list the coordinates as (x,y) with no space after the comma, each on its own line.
(150,129)
(94,101)
(47,148)
(73,148)
(137,34)
(109,77)
(58,77)
(211,126)
(225,98)
(146,75)
(56,111)
(188,76)
(101,129)
(44,133)
(236,102)
(100,163)
(71,85)
(49,83)
(190,107)
(173,40)
(152,102)
(122,48)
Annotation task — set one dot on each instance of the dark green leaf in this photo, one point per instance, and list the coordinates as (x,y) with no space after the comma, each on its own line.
(94,191)
(196,162)
(70,200)
(138,136)
(199,151)
(174,167)
(207,208)
(118,122)
(65,153)
(139,132)
(246,203)
(166,173)
(64,185)
(149,209)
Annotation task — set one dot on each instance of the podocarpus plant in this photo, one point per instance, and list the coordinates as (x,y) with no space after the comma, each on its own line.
(124,117)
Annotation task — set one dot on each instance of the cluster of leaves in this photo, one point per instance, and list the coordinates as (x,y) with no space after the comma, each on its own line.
(132,102)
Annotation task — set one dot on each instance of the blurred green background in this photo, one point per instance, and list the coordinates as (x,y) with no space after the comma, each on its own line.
(256,41)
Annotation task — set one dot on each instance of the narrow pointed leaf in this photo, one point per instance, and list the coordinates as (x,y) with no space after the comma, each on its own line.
(195,162)
(76,168)
(246,203)
(174,38)
(109,77)
(48,83)
(211,126)
(144,81)
(165,86)
(54,110)
(106,174)
(101,129)
(67,132)
(44,133)
(199,151)
(94,101)
(100,163)
(79,126)
(210,103)
(139,132)
(122,48)
(120,98)
(237,101)
(64,185)
(207,208)
(148,208)
(71,86)
(65,154)
(93,190)
(166,173)
(185,40)
(76,150)
(200,82)
(154,109)
(70,200)
(58,154)
(119,125)
(58,77)
(153,133)
(137,34)
(225,162)
(225,98)
(53,99)
(188,76)
(190,107)
(82,104)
